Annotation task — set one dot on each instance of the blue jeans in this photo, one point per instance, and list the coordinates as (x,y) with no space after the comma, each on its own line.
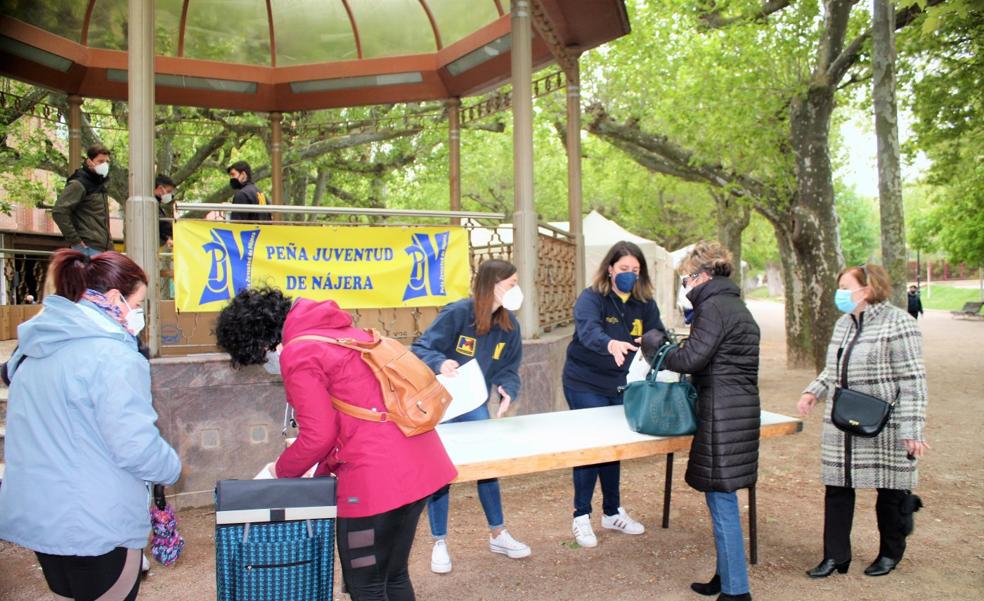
(585,476)
(729,542)
(488,491)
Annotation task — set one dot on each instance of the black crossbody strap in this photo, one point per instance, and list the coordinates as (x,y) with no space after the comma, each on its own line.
(844,355)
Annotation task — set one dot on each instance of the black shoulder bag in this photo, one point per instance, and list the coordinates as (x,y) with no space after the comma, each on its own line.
(855,412)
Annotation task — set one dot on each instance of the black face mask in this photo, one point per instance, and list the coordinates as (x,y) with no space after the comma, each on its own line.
(235,184)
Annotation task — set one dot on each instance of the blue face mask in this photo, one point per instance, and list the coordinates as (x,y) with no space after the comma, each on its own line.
(625,281)
(842,298)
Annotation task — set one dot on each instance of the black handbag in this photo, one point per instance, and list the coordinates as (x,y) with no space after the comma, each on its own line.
(660,408)
(854,412)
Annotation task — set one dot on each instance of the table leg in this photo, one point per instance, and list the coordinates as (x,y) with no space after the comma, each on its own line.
(667,490)
(752,525)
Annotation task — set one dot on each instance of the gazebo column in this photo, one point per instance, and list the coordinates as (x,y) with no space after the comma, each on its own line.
(141,234)
(454,155)
(525,226)
(74,132)
(277,160)
(574,199)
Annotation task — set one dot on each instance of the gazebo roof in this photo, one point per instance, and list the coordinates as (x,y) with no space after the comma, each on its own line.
(285,55)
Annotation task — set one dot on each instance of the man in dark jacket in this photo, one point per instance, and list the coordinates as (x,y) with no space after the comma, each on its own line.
(722,354)
(82,209)
(241,180)
(915,303)
(164,193)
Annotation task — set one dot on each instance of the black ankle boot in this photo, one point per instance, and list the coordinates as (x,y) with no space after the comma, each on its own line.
(827,567)
(881,566)
(741,597)
(707,588)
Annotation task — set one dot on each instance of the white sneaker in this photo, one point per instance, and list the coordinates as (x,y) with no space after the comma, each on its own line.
(440,558)
(508,546)
(622,522)
(583,533)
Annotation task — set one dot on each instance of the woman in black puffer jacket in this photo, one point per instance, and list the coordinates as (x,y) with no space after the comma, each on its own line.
(722,353)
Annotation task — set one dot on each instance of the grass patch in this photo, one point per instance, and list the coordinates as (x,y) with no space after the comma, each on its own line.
(762,294)
(948,298)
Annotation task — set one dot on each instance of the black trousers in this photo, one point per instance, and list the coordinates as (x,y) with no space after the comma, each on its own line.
(839,517)
(374,552)
(114,576)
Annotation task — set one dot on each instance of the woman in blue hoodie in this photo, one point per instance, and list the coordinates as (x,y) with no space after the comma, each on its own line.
(82,446)
(609,319)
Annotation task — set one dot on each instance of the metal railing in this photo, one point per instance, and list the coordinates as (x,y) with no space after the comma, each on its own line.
(25,271)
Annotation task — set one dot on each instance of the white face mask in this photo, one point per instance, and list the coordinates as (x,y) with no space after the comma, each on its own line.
(102,169)
(272,365)
(134,321)
(513,299)
(167,197)
(682,301)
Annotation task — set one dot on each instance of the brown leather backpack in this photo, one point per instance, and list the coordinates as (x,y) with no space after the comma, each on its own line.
(415,400)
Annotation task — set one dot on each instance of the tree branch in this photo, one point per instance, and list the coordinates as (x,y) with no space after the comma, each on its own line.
(846,59)
(658,153)
(714,20)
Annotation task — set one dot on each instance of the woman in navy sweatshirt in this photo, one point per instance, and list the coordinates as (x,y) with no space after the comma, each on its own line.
(610,317)
(482,328)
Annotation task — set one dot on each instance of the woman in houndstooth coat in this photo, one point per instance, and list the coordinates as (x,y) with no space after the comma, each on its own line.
(885,362)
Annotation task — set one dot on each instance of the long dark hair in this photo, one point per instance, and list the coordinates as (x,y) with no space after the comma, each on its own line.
(643,289)
(489,274)
(74,272)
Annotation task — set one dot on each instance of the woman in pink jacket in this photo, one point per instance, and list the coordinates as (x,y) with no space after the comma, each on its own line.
(384,477)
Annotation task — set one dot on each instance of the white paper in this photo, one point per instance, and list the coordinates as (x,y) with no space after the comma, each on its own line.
(267,474)
(638,369)
(468,389)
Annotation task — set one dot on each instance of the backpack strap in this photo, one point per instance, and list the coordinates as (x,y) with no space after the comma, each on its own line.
(360,347)
(349,343)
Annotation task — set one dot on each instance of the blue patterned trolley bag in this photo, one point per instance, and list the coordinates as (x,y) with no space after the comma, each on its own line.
(274,539)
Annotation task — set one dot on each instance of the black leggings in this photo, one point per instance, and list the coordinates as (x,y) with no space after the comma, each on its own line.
(374,552)
(114,576)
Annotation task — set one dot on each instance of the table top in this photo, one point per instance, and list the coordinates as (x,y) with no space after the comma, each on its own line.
(546,441)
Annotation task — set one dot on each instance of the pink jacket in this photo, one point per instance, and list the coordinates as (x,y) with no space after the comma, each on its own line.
(378,468)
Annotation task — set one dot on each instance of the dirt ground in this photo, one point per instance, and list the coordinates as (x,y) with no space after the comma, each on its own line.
(945,557)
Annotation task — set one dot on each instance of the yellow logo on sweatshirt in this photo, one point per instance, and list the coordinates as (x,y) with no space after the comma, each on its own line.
(498,351)
(636,327)
(466,345)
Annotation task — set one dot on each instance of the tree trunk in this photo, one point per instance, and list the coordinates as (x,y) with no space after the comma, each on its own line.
(812,242)
(733,216)
(887,133)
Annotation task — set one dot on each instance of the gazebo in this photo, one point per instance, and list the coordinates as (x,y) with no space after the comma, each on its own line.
(277,56)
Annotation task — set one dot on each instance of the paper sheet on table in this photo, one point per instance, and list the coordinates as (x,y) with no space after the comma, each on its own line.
(468,389)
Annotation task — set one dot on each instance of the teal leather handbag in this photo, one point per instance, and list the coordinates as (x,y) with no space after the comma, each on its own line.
(661,408)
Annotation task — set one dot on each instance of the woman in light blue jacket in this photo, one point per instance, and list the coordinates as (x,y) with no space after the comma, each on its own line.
(82,446)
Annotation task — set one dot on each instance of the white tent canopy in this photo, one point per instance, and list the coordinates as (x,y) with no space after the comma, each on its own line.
(601,233)
(599,236)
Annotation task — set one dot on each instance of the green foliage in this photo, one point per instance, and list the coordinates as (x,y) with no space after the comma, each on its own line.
(858,219)
(758,244)
(946,77)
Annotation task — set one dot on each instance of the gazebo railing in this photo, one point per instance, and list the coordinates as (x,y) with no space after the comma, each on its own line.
(25,272)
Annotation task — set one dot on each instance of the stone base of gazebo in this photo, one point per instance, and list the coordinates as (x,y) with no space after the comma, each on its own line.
(226,423)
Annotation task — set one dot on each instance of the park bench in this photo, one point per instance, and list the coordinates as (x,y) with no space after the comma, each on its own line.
(969,310)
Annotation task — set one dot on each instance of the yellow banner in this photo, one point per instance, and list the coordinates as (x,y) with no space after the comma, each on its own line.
(357,267)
